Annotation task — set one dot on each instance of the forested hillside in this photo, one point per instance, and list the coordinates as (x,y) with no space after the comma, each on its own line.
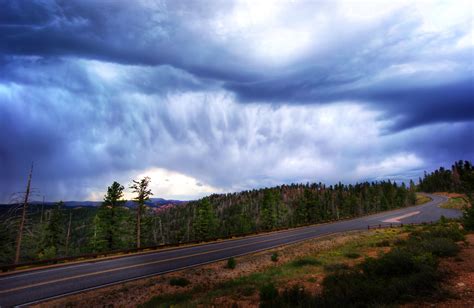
(279,207)
(58,230)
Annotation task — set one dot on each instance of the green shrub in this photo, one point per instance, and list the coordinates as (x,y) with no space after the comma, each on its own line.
(231,263)
(274,257)
(441,247)
(383,243)
(305,261)
(397,262)
(352,255)
(407,271)
(347,289)
(468,218)
(395,276)
(445,230)
(179,281)
(268,295)
(247,291)
(335,267)
(399,242)
(296,296)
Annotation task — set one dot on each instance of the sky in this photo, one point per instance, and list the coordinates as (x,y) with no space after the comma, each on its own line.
(220,96)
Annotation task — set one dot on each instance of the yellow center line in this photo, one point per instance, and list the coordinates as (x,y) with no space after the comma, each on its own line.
(143,264)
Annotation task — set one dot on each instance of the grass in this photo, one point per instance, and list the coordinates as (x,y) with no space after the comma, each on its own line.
(406,272)
(380,268)
(421,199)
(458,203)
(305,261)
(302,268)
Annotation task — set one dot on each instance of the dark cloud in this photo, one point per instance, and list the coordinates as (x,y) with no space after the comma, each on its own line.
(235,98)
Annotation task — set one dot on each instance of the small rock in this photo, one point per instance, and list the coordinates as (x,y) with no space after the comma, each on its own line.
(460,284)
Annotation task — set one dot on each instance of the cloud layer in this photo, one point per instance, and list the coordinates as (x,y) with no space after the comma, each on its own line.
(222,96)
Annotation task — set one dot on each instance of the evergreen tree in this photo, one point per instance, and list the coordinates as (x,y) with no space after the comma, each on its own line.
(269,210)
(111,219)
(205,220)
(54,234)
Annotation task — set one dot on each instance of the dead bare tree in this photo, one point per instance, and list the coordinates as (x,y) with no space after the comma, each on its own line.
(68,235)
(23,217)
(42,210)
(140,187)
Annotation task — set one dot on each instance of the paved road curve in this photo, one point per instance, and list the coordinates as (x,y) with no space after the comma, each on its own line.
(32,286)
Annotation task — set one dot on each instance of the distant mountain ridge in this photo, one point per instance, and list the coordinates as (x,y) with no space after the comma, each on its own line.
(153,202)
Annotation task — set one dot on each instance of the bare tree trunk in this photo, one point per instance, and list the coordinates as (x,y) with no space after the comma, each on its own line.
(161,232)
(42,210)
(139,217)
(155,236)
(23,218)
(189,228)
(68,235)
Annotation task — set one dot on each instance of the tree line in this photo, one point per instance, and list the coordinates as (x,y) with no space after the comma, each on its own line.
(460,179)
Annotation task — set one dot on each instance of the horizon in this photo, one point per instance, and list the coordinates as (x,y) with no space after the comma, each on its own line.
(224,96)
(128,196)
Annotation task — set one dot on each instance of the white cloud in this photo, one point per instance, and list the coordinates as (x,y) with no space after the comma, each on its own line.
(173,185)
(390,167)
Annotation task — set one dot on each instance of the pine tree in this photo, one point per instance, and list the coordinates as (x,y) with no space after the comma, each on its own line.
(269,210)
(205,221)
(141,188)
(54,234)
(111,219)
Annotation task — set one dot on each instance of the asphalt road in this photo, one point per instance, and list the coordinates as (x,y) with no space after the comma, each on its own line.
(32,286)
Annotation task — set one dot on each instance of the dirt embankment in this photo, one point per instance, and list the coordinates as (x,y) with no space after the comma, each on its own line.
(461,277)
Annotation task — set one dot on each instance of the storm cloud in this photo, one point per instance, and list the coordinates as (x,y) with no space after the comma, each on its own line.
(218,96)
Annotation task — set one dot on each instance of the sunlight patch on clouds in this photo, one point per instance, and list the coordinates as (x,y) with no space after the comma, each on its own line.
(168,184)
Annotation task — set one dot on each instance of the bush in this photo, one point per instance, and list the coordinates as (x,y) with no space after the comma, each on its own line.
(444,230)
(336,267)
(268,295)
(179,281)
(231,263)
(394,263)
(468,218)
(393,277)
(441,247)
(274,257)
(352,255)
(347,289)
(305,261)
(247,291)
(296,296)
(383,243)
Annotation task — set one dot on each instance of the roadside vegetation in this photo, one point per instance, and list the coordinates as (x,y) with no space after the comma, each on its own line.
(380,268)
(422,199)
(458,203)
